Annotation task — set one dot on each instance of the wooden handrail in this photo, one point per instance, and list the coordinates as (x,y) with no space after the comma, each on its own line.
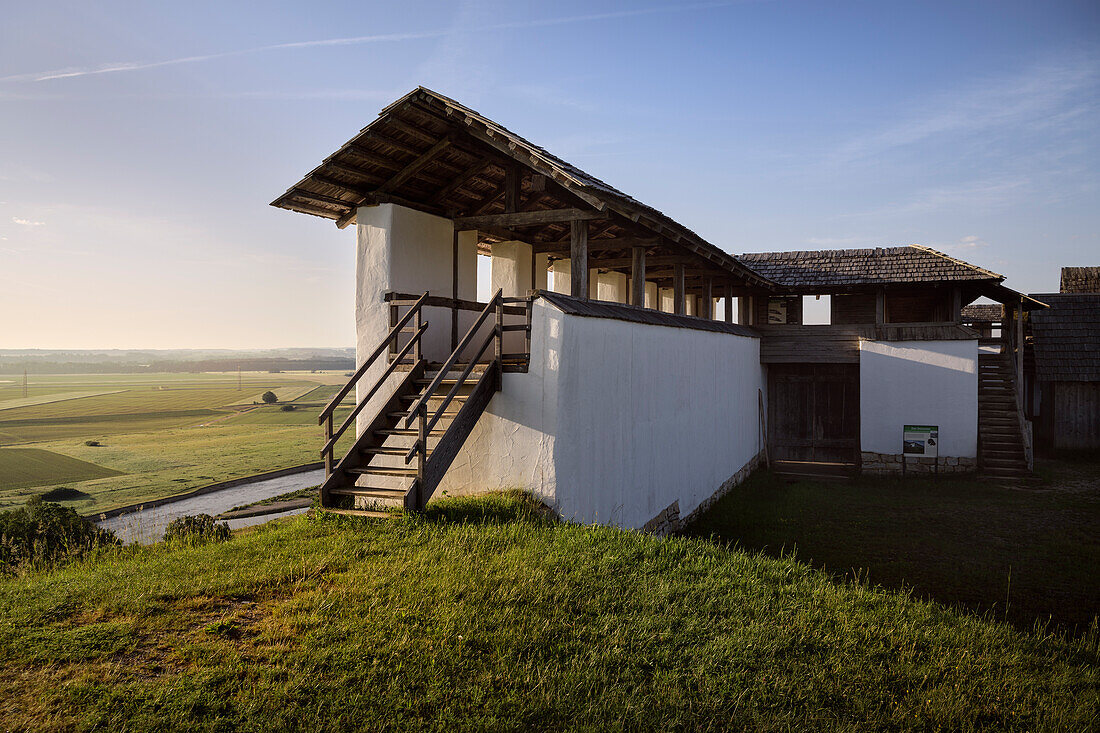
(325,418)
(439,301)
(446,367)
(377,385)
(332,405)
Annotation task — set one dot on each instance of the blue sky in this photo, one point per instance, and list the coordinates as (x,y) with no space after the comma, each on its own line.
(140,142)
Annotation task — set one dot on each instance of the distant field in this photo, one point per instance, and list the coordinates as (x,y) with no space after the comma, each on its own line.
(24,467)
(42,399)
(162,434)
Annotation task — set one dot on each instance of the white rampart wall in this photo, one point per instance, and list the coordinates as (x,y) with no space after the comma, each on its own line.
(919,383)
(615,420)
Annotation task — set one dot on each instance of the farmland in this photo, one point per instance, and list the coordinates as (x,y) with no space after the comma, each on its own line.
(127,438)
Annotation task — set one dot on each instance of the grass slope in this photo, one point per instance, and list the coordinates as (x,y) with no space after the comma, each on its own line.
(25,467)
(482,615)
(957,541)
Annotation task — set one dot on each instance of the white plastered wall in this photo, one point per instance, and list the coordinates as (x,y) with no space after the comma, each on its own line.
(612,424)
(919,383)
(407,251)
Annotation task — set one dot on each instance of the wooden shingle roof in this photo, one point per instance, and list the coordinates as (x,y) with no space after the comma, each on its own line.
(1080,280)
(1067,337)
(985,312)
(428,152)
(847,267)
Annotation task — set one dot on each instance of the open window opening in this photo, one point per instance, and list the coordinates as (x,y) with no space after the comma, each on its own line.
(817,310)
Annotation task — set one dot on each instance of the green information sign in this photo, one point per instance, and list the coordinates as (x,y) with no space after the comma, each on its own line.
(920,440)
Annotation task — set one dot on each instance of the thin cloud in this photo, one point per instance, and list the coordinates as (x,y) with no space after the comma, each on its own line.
(113,68)
(28,222)
(1045,95)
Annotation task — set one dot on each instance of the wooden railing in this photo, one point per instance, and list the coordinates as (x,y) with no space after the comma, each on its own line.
(419,409)
(390,342)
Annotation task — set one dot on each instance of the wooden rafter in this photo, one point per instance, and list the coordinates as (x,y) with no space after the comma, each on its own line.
(526,218)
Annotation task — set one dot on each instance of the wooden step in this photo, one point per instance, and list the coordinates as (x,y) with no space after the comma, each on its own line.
(410,431)
(381,471)
(360,513)
(410,398)
(385,451)
(1002,471)
(369,492)
(1019,463)
(399,415)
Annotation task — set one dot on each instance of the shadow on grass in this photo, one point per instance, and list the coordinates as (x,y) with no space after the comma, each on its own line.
(1023,556)
(494,508)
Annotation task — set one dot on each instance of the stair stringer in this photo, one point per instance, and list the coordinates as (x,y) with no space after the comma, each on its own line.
(355,458)
(435,468)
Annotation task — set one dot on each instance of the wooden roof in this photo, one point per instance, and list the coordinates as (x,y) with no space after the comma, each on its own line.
(430,153)
(985,312)
(1080,280)
(848,267)
(1067,337)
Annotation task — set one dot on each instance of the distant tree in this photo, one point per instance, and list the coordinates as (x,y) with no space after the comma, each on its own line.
(287,408)
(269,397)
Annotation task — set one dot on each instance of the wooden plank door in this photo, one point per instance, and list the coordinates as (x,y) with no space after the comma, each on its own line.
(814,412)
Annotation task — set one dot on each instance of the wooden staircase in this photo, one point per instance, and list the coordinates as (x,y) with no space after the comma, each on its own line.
(1002,444)
(398,461)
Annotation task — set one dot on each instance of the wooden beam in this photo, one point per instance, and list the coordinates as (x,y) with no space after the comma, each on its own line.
(678,290)
(729,304)
(511,189)
(527,219)
(461,180)
(321,198)
(415,166)
(596,245)
(578,259)
(637,277)
(707,311)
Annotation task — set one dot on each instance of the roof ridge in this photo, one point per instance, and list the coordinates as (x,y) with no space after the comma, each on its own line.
(957,261)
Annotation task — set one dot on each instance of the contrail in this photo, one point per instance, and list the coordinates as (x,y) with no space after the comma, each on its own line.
(357,40)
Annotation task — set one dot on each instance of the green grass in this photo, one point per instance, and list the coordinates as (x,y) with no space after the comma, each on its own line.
(481,615)
(168,433)
(27,467)
(168,462)
(1025,555)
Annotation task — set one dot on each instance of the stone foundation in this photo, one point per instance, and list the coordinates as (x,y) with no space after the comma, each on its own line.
(894,464)
(669,520)
(665,523)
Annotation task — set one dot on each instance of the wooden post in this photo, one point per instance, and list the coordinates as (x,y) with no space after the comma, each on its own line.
(421,454)
(880,306)
(956,304)
(418,353)
(328,453)
(637,277)
(511,190)
(500,331)
(1020,350)
(578,259)
(729,303)
(454,291)
(707,311)
(678,289)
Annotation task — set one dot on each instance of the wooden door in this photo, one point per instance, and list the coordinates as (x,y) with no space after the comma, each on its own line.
(814,412)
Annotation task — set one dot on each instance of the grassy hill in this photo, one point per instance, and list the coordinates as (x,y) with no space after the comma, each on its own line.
(482,614)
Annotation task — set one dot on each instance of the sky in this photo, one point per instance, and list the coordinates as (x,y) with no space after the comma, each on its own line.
(141,142)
